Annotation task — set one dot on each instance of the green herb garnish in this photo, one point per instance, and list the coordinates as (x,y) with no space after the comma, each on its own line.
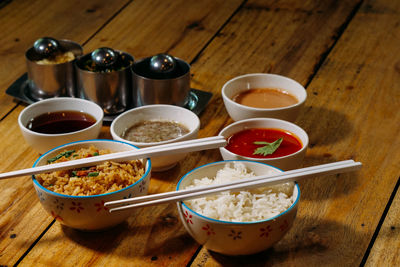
(62,154)
(268,148)
(96,154)
(67,154)
(54,159)
(93,174)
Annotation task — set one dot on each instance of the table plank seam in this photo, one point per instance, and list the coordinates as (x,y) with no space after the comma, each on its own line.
(4,3)
(197,56)
(194,256)
(10,111)
(34,243)
(380,223)
(107,22)
(327,52)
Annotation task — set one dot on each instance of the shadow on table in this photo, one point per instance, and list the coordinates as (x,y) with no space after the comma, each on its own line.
(324,126)
(329,186)
(101,241)
(154,232)
(310,241)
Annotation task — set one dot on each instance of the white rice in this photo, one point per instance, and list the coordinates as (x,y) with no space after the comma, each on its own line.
(244,206)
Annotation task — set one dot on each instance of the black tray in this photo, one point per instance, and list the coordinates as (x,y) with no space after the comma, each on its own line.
(197,102)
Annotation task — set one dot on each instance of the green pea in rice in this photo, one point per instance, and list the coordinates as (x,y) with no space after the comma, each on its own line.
(104,178)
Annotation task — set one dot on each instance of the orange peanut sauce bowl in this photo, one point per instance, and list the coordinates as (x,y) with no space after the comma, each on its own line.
(263,82)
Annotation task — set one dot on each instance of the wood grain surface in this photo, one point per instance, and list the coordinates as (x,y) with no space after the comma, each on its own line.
(22,219)
(23,22)
(343,52)
(384,251)
(348,107)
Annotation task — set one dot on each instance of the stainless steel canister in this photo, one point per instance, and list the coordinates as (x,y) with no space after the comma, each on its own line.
(112,90)
(150,88)
(52,80)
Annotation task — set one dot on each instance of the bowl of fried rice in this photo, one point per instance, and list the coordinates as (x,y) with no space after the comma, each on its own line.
(76,197)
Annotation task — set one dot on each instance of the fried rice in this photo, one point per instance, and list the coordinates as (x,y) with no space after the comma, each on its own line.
(100,179)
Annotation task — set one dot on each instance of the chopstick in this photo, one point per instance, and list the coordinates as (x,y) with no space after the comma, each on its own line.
(154,151)
(242,181)
(263,180)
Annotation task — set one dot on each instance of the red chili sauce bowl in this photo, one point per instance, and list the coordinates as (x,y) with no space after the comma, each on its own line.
(241,136)
(243,142)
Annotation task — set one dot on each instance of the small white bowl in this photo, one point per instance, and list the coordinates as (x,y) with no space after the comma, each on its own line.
(44,142)
(88,212)
(157,112)
(235,238)
(262,80)
(292,161)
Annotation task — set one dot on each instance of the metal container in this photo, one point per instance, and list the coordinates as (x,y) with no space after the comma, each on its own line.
(110,90)
(52,80)
(151,88)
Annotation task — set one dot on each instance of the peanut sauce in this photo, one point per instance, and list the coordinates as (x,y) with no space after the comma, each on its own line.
(265,98)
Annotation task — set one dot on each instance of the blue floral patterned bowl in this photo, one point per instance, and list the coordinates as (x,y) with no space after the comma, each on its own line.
(88,212)
(235,238)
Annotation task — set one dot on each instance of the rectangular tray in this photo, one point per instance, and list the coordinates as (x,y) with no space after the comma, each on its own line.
(198,99)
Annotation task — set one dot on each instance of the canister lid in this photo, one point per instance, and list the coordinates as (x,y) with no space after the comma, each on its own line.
(146,69)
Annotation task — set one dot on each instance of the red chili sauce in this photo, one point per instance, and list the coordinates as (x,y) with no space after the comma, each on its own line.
(242,143)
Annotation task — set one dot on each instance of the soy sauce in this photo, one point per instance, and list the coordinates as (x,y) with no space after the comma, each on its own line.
(59,122)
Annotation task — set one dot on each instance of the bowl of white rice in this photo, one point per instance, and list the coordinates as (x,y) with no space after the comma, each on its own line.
(242,222)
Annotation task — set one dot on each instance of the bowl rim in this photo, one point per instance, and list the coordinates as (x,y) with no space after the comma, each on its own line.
(56,99)
(230,101)
(304,144)
(297,187)
(35,181)
(138,109)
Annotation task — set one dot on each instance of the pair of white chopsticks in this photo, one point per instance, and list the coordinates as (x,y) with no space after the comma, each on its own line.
(288,176)
(154,151)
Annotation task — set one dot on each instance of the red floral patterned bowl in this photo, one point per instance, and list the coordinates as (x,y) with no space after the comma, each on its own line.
(88,212)
(235,238)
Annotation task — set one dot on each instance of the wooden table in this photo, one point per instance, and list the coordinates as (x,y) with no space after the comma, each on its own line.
(346,54)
